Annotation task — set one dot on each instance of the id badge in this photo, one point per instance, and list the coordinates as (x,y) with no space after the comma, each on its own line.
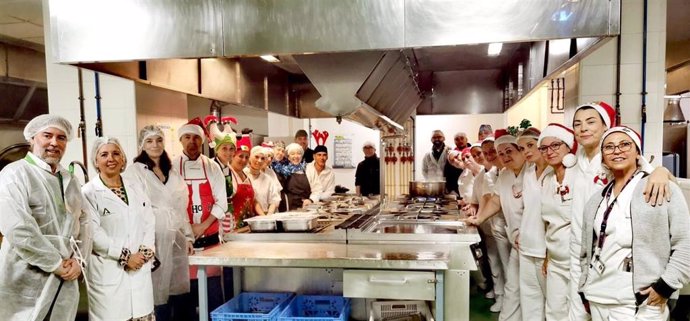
(599,267)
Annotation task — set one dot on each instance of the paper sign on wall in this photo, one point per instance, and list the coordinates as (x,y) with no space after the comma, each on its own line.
(342,147)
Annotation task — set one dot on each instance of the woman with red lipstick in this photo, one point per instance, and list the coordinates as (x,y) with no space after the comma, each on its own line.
(635,254)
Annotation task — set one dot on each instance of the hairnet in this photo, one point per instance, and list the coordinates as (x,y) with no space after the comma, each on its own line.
(45,121)
(294,147)
(150,131)
(257,150)
(100,142)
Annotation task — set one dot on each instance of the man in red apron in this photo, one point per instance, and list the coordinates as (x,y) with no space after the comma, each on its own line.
(207,204)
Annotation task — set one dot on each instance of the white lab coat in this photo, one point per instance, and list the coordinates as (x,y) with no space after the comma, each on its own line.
(323,184)
(432,169)
(37,228)
(169,202)
(116,294)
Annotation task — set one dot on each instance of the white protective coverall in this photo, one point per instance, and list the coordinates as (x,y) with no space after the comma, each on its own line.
(497,275)
(116,294)
(432,169)
(173,231)
(37,226)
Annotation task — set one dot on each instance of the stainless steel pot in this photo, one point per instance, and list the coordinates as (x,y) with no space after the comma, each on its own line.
(427,188)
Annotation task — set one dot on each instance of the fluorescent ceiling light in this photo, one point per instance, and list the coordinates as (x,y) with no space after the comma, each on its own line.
(270,58)
(495,49)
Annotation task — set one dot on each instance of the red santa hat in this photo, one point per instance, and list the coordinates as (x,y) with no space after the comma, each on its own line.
(566,135)
(607,113)
(634,136)
(503,137)
(194,127)
(244,144)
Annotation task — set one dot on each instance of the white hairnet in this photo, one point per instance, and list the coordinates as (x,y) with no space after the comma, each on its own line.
(294,147)
(45,121)
(150,131)
(100,142)
(257,150)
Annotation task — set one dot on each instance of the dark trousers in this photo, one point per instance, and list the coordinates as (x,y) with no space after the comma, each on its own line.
(682,309)
(184,307)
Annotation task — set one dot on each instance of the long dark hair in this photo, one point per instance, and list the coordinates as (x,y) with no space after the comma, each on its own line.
(165,163)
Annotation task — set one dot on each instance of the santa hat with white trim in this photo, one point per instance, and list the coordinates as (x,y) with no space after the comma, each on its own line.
(503,137)
(566,135)
(625,130)
(607,113)
(195,127)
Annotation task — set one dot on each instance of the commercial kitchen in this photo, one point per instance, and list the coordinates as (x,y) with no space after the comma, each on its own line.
(389,72)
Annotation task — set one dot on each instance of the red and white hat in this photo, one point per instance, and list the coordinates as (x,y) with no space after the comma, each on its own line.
(503,137)
(466,151)
(566,135)
(625,130)
(195,127)
(608,113)
(244,144)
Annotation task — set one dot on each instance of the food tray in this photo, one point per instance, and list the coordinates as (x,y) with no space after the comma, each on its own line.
(317,308)
(389,310)
(298,224)
(262,223)
(252,306)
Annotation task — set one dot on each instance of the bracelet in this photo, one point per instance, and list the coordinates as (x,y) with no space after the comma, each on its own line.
(124,257)
(147,252)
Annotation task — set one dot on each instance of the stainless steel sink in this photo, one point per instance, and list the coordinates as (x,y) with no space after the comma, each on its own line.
(415,227)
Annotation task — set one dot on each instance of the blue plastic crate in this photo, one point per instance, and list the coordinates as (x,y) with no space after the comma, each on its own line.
(317,308)
(252,306)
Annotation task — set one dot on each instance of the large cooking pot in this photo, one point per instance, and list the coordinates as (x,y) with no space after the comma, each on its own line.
(427,188)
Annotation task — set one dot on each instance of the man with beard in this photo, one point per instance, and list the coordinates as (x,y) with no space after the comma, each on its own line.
(42,221)
(367,180)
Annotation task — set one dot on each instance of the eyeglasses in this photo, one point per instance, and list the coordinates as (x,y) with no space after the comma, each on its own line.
(553,147)
(623,146)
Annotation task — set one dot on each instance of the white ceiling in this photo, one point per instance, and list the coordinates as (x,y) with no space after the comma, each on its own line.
(22,19)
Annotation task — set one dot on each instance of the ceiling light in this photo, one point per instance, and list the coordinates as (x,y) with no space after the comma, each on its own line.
(270,58)
(495,49)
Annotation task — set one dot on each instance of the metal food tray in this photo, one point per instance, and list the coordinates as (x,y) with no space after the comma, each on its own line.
(262,224)
(298,224)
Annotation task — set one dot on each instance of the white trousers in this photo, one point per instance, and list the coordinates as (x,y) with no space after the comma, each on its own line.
(511,300)
(614,312)
(532,288)
(576,310)
(497,275)
(557,291)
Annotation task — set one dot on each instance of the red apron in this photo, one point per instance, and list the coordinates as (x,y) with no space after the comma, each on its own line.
(201,198)
(201,201)
(242,201)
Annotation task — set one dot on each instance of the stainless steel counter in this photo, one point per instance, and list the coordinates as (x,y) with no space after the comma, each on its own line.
(271,254)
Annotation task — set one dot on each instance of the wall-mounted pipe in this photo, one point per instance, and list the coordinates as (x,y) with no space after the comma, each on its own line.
(618,80)
(81,130)
(99,120)
(643,110)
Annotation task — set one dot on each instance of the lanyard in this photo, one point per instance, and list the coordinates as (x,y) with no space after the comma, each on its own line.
(607,212)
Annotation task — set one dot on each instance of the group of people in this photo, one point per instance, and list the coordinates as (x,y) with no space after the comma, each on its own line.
(130,230)
(575,223)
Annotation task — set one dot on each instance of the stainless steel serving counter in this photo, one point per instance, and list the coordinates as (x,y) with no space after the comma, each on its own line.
(389,257)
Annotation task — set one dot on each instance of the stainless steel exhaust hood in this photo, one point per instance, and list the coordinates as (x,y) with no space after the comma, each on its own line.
(375,89)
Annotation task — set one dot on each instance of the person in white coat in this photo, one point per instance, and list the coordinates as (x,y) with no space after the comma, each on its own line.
(634,255)
(506,198)
(174,238)
(556,144)
(266,195)
(590,122)
(42,220)
(434,161)
(119,270)
(530,240)
(321,177)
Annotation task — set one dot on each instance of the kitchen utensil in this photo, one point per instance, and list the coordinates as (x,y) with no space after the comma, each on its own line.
(427,188)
